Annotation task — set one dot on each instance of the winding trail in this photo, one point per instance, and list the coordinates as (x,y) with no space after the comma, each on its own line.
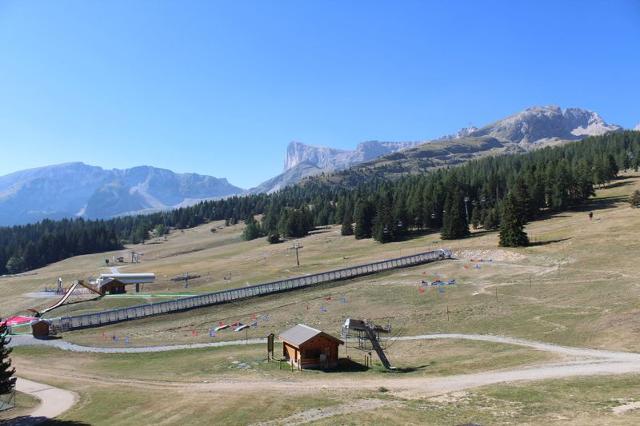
(27,340)
(53,402)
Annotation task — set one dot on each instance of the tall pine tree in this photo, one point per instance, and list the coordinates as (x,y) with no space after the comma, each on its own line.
(454,224)
(365,211)
(384,229)
(347,221)
(7,381)
(512,225)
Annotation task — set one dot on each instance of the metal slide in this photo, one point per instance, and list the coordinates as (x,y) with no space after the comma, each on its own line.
(65,297)
(376,346)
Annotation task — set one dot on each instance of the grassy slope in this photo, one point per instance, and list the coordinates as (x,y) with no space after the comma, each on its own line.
(433,358)
(24,404)
(581,401)
(577,286)
(135,383)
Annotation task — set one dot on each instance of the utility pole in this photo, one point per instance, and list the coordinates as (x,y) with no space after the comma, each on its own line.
(296,247)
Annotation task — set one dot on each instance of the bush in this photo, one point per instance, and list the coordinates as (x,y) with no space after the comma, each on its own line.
(273,238)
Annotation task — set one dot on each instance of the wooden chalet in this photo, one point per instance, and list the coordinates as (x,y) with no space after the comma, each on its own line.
(306,347)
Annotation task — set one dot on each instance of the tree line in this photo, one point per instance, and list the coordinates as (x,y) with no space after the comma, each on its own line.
(503,192)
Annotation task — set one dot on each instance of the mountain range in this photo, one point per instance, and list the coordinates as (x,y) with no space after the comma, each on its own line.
(80,190)
(529,129)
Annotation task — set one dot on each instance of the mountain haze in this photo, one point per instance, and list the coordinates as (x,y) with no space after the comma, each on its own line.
(81,190)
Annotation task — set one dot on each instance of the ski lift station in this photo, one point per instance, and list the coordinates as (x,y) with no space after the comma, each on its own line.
(116,283)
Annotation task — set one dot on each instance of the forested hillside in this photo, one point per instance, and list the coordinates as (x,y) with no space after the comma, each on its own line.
(480,193)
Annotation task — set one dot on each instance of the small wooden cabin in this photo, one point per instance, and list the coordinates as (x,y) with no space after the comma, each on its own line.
(40,329)
(306,347)
(113,287)
(115,283)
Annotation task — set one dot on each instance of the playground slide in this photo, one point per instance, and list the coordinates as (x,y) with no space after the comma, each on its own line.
(376,346)
(65,297)
(62,299)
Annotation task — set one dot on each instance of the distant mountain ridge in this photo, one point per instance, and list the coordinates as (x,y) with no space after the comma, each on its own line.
(331,158)
(529,129)
(303,160)
(537,125)
(81,190)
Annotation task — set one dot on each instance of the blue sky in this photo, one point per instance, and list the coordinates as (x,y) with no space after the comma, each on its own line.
(221,88)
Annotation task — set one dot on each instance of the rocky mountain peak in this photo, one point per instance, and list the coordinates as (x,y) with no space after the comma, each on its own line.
(540,123)
(320,156)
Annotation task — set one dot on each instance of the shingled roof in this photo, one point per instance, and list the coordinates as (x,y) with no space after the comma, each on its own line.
(303,333)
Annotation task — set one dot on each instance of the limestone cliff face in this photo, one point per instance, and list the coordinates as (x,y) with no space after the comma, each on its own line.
(302,160)
(334,159)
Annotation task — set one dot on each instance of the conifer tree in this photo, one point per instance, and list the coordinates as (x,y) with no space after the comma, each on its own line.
(512,224)
(364,219)
(7,381)
(347,222)
(454,224)
(383,223)
(252,229)
(522,199)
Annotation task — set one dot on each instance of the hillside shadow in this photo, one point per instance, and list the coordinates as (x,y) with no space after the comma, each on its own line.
(347,365)
(600,203)
(404,370)
(619,182)
(591,205)
(30,420)
(547,242)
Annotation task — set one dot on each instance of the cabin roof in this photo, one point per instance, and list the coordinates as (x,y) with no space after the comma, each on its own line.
(301,333)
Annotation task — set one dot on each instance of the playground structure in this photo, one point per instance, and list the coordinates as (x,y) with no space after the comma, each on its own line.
(66,295)
(367,333)
(113,283)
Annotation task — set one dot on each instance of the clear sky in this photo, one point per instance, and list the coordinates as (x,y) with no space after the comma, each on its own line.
(221,87)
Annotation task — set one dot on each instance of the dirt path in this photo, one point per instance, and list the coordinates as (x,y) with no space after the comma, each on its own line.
(53,402)
(26,340)
(578,362)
